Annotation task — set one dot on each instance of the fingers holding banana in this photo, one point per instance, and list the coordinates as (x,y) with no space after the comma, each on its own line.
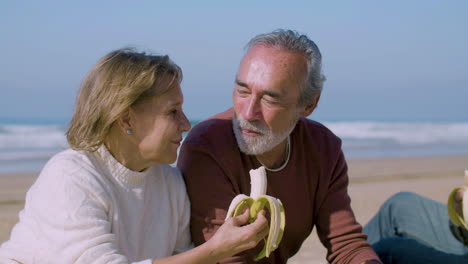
(254,232)
(237,235)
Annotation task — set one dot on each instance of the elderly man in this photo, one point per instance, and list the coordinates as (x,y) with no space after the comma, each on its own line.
(277,86)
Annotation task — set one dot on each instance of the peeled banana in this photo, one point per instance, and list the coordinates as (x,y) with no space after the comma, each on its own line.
(257,201)
(460,220)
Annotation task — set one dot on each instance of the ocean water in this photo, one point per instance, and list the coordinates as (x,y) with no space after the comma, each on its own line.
(26,147)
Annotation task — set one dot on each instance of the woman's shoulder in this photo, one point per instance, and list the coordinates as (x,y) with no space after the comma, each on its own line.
(70,160)
(70,176)
(71,167)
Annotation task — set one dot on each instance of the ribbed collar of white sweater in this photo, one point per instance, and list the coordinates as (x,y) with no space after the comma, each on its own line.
(119,171)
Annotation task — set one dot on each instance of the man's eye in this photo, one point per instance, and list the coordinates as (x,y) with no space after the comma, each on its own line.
(242,92)
(269,101)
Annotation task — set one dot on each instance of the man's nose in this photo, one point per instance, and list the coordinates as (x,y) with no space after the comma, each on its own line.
(253,109)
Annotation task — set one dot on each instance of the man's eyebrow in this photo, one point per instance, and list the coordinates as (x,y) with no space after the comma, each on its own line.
(271,94)
(238,82)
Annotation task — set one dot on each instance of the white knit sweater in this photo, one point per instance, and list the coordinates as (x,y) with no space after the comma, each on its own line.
(88,208)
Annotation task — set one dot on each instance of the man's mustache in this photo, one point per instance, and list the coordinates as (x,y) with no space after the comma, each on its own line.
(252,126)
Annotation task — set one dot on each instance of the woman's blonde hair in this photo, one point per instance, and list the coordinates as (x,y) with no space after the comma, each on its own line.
(121,79)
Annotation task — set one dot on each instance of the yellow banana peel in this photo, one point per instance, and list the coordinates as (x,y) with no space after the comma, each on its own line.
(257,201)
(459,220)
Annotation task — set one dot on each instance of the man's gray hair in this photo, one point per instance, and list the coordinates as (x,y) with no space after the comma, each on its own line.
(290,40)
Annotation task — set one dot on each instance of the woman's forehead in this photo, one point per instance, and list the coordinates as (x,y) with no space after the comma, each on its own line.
(173,97)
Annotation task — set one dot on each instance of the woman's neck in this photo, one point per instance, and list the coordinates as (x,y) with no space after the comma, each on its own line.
(124,151)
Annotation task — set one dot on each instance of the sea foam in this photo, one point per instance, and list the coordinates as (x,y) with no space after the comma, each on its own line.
(402,133)
(28,147)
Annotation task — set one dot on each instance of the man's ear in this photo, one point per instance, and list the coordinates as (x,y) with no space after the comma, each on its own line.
(310,107)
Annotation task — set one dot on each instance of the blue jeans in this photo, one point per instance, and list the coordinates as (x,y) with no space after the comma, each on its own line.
(412,229)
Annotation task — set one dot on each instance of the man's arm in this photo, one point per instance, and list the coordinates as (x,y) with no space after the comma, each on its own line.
(337,227)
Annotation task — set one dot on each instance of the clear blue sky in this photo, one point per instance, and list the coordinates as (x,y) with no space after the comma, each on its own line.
(390,61)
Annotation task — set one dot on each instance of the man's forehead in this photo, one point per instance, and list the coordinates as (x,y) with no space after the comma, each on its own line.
(282,69)
(259,58)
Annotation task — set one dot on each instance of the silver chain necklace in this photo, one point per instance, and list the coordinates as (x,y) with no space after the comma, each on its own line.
(287,158)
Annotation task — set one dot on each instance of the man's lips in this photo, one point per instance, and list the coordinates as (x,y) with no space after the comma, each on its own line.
(251,133)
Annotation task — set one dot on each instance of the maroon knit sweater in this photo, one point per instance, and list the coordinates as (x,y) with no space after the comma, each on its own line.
(312,188)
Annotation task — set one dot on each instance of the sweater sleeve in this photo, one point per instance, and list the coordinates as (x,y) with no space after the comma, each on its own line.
(337,227)
(66,219)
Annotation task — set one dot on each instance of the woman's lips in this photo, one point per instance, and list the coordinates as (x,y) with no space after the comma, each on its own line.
(177,142)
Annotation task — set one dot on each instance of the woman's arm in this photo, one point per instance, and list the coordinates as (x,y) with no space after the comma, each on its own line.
(230,239)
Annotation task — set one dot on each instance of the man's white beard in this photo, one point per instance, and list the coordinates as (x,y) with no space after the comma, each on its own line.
(259,144)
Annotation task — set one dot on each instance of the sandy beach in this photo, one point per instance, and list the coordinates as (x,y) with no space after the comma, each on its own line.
(372,181)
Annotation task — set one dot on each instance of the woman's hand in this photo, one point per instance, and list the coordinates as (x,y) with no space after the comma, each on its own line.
(234,236)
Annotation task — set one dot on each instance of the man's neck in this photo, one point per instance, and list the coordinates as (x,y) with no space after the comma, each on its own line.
(275,157)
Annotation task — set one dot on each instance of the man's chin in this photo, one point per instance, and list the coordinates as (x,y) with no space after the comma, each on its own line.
(253,148)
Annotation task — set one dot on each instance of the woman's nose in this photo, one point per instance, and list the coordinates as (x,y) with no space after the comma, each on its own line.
(185,123)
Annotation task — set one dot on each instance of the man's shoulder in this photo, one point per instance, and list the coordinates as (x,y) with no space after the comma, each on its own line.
(317,130)
(316,137)
(213,137)
(211,129)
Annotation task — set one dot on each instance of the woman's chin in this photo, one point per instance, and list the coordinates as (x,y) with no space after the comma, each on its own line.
(169,159)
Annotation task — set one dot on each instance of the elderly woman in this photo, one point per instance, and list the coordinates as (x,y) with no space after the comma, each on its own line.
(112,198)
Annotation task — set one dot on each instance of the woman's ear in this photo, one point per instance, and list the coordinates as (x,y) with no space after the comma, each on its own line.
(310,107)
(125,121)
